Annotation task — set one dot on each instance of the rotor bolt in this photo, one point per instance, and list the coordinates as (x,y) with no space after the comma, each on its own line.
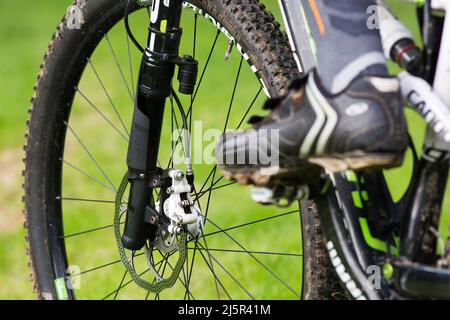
(186,203)
(178,219)
(142,176)
(170,190)
(178,230)
(173,229)
(179,176)
(153,220)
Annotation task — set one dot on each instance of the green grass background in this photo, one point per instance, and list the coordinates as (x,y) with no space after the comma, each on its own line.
(25,29)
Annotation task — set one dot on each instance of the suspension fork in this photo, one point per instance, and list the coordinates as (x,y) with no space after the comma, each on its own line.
(153,88)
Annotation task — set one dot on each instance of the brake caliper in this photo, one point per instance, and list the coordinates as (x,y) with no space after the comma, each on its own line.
(180,208)
(180,222)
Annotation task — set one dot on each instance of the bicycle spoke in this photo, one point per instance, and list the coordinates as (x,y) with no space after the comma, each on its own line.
(193,55)
(215,276)
(97,268)
(189,270)
(225,128)
(165,261)
(212,267)
(195,36)
(251,223)
(102,266)
(249,108)
(186,286)
(183,271)
(108,96)
(90,156)
(125,284)
(120,285)
(118,66)
(87,175)
(101,114)
(210,193)
(193,258)
(181,281)
(186,272)
(159,269)
(254,258)
(213,189)
(207,179)
(203,72)
(254,252)
(185,283)
(131,281)
(88,231)
(238,75)
(228,273)
(84,200)
(211,51)
(179,139)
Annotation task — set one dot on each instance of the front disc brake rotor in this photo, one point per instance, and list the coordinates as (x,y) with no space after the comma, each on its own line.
(160,283)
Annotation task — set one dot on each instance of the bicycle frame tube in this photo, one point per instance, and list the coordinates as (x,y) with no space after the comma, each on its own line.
(299,35)
(429,188)
(442,76)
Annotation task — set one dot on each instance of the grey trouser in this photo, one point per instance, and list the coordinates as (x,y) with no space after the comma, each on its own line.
(346,46)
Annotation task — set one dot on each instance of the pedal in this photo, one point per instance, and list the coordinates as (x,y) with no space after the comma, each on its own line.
(279,195)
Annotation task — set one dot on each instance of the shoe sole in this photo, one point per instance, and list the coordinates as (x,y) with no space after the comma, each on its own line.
(339,163)
(332,164)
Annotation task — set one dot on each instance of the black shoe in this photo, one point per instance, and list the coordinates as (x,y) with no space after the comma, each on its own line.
(360,128)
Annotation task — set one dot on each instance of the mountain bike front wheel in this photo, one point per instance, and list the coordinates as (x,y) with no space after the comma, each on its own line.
(75,159)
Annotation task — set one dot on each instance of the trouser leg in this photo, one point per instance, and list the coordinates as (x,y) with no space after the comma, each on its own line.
(345,47)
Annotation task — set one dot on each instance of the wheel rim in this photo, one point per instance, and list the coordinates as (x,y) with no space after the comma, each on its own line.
(242,254)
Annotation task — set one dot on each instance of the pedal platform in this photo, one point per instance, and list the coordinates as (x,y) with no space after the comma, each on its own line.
(280,195)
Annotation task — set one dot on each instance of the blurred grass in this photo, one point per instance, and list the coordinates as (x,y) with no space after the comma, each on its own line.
(25,29)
